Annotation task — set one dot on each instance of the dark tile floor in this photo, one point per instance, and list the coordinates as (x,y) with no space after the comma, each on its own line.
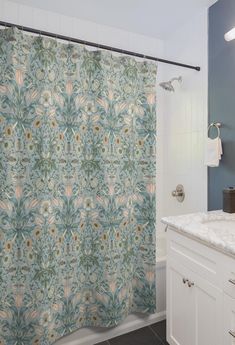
(151,335)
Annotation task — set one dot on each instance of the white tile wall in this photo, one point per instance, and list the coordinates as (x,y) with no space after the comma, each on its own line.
(185,120)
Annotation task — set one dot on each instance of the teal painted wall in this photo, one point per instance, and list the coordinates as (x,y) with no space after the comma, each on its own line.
(222,96)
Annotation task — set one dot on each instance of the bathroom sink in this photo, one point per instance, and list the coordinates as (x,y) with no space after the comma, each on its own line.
(222,224)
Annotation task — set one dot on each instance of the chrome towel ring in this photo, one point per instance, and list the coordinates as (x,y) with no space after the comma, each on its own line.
(217,125)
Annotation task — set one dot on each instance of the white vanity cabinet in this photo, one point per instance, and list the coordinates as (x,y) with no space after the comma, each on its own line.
(180,304)
(200,293)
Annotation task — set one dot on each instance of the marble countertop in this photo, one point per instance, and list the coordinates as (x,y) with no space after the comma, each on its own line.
(215,228)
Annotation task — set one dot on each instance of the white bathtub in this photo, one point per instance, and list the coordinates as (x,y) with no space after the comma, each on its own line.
(161,272)
(90,336)
(161,247)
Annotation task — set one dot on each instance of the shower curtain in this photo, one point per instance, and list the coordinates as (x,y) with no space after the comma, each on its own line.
(77,188)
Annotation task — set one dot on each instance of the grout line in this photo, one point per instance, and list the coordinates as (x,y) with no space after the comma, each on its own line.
(156,335)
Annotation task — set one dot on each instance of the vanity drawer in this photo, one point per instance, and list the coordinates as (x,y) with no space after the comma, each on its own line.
(229,277)
(198,257)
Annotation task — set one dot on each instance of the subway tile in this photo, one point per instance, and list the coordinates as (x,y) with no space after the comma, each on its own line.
(11,12)
(25,15)
(122,38)
(66,25)
(2,6)
(86,30)
(53,22)
(40,19)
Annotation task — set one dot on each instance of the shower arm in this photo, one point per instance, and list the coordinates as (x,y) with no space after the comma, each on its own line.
(179,79)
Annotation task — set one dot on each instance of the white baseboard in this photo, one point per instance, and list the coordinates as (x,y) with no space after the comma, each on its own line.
(91,336)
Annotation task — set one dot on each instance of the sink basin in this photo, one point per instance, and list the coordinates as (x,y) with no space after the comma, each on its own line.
(221,225)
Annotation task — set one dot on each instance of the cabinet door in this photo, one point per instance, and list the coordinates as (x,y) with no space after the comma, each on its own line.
(180,306)
(229,321)
(208,307)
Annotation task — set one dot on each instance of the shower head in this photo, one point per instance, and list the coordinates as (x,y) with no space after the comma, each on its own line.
(167,85)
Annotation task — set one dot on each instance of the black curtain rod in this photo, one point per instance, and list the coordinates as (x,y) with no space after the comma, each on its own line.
(101,46)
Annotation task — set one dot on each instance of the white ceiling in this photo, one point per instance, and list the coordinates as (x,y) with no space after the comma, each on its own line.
(156,18)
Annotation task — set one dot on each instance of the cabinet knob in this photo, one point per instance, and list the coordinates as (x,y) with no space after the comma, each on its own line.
(190,284)
(232,334)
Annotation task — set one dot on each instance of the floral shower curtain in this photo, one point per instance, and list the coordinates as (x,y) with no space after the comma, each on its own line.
(77,188)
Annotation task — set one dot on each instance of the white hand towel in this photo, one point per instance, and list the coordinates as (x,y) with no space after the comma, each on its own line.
(213,152)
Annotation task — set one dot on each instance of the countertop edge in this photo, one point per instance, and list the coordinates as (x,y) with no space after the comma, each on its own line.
(198,239)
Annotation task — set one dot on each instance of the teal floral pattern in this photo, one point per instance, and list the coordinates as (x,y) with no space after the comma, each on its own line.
(77,188)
